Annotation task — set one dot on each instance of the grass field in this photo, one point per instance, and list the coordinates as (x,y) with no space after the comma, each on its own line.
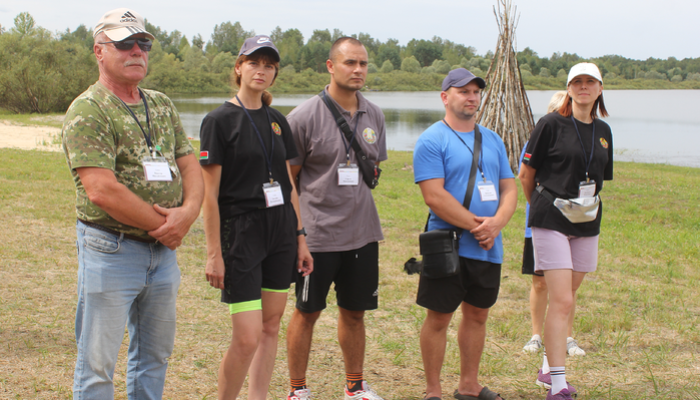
(637,315)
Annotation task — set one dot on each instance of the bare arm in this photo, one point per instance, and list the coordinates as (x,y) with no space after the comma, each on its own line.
(527,180)
(117,200)
(445,206)
(179,219)
(305,263)
(490,227)
(214,270)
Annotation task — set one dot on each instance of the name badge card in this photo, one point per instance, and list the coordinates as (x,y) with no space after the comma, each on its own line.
(273,194)
(586,189)
(156,169)
(348,175)
(487,191)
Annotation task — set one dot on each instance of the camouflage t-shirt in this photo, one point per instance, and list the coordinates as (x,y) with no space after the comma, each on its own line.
(98,131)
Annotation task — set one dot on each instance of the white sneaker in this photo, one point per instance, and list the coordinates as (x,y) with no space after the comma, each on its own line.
(364,394)
(573,349)
(300,394)
(534,345)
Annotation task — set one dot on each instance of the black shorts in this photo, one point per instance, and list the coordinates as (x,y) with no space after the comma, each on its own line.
(477,284)
(529,259)
(260,252)
(355,274)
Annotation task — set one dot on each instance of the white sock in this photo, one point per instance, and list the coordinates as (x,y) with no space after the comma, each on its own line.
(545,364)
(558,379)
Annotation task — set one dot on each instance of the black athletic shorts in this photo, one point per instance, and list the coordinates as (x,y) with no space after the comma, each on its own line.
(260,252)
(529,259)
(355,274)
(477,284)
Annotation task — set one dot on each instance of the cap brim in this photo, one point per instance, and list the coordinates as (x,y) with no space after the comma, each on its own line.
(121,33)
(256,48)
(466,81)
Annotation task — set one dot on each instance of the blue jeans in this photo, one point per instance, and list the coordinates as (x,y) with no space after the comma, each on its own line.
(123,282)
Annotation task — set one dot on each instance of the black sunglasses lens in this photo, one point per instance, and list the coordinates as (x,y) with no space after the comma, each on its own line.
(144,44)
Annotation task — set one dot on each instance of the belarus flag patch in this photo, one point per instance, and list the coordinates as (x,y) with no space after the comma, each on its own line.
(204,155)
(527,157)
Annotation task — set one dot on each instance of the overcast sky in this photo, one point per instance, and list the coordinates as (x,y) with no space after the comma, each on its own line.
(634,29)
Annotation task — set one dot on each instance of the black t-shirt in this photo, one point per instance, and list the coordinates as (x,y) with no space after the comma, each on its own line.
(557,154)
(229,139)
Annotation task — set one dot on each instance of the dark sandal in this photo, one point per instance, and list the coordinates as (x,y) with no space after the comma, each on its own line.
(432,398)
(485,394)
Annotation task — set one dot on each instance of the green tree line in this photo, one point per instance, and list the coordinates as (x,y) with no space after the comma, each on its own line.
(42,71)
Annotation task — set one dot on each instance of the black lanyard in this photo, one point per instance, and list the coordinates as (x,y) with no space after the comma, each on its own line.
(590,158)
(268,158)
(481,169)
(148,122)
(347,145)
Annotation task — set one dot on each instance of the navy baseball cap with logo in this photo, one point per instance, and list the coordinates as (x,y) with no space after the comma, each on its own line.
(251,45)
(461,77)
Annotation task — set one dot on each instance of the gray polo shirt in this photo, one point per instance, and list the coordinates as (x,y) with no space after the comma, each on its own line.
(336,218)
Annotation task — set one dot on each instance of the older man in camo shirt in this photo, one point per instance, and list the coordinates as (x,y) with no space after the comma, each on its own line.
(138,190)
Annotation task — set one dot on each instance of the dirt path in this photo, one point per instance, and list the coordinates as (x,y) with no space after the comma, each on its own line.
(29,137)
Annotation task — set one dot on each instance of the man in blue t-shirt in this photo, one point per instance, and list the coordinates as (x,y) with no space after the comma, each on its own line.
(442,162)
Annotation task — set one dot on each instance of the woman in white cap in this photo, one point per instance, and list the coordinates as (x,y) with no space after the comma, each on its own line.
(255,238)
(568,157)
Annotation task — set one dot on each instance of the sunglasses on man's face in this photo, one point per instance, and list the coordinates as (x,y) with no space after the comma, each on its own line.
(128,44)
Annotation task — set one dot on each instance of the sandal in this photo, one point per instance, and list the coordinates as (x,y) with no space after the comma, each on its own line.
(485,394)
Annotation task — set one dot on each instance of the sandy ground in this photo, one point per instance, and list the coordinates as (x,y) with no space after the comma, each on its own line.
(30,137)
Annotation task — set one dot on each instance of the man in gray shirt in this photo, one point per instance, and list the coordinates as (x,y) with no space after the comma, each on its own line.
(340,215)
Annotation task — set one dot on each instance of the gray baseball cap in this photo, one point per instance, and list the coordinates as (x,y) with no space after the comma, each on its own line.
(121,23)
(251,45)
(461,77)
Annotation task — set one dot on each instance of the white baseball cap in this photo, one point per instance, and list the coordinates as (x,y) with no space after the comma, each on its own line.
(584,68)
(121,23)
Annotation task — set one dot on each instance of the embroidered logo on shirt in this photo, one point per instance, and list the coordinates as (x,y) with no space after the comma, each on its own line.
(604,143)
(276,129)
(203,155)
(527,156)
(369,135)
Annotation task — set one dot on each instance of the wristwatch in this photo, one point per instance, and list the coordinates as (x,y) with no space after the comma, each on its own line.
(301,231)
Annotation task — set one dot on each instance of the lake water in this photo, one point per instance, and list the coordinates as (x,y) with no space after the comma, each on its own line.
(651,126)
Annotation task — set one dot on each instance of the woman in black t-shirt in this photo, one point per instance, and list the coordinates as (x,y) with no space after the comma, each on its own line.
(568,157)
(255,238)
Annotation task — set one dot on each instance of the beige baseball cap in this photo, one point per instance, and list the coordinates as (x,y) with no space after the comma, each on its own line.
(121,23)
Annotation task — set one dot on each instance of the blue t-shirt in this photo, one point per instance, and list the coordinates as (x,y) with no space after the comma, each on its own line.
(439,154)
(528,231)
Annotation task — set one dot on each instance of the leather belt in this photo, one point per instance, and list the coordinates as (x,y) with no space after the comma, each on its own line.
(113,232)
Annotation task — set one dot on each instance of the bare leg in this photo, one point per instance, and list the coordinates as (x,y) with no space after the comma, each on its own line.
(260,371)
(247,328)
(561,284)
(571,315)
(538,303)
(433,339)
(299,334)
(471,337)
(351,335)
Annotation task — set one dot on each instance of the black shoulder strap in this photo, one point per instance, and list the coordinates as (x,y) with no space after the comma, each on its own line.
(472,173)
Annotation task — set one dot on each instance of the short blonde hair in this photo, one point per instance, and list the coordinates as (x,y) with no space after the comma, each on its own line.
(556,101)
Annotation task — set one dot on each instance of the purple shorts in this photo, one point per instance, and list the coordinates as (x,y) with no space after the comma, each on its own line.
(555,250)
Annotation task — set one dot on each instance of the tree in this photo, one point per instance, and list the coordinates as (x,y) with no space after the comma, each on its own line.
(197,41)
(229,37)
(410,64)
(320,36)
(24,24)
(387,67)
(389,51)
(424,51)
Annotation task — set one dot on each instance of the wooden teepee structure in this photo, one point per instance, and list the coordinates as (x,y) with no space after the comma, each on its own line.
(505,108)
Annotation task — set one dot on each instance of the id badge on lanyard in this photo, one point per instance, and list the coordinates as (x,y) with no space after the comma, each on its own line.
(156,169)
(586,189)
(487,191)
(348,175)
(273,194)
